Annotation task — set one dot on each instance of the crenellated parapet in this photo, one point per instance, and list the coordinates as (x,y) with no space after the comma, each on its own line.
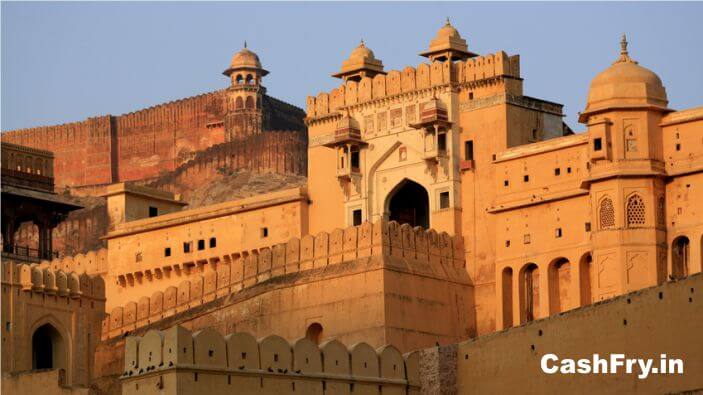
(267,365)
(471,72)
(92,262)
(41,279)
(422,252)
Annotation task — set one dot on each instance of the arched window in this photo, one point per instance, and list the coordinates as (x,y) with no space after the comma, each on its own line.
(47,348)
(249,103)
(680,257)
(238,103)
(250,79)
(635,211)
(607,213)
(314,332)
(530,292)
(239,79)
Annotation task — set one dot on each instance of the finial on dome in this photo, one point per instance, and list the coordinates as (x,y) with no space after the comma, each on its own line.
(448,23)
(245,43)
(361,43)
(624,55)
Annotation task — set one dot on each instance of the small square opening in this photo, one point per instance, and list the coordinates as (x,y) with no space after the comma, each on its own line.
(597,144)
(558,233)
(167,251)
(153,211)
(201,244)
(264,232)
(469,150)
(526,178)
(213,242)
(444,200)
(557,171)
(187,246)
(356,217)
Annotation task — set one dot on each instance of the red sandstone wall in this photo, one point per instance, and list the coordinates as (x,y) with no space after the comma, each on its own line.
(160,138)
(268,152)
(81,149)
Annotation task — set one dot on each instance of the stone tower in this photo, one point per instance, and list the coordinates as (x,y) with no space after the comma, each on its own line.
(244,96)
(626,103)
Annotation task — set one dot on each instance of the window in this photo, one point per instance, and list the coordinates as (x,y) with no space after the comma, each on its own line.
(587,225)
(506,183)
(444,200)
(356,217)
(201,245)
(213,242)
(635,211)
(678,147)
(568,170)
(558,233)
(469,150)
(442,142)
(534,134)
(526,239)
(597,144)
(471,95)
(494,156)
(264,232)
(187,246)
(607,213)
(557,171)
(507,243)
(526,178)
(355,158)
(153,211)
(167,251)
(138,257)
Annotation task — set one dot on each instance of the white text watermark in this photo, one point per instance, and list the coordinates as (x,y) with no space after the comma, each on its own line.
(612,364)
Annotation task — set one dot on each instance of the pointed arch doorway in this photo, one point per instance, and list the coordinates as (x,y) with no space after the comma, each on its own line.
(409,203)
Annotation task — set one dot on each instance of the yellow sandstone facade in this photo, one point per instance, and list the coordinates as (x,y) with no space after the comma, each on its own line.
(441,204)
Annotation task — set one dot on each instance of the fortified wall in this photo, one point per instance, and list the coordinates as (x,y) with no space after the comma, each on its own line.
(154,364)
(41,304)
(403,286)
(477,71)
(145,143)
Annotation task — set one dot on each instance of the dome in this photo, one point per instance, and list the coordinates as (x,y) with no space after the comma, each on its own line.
(245,59)
(361,63)
(625,84)
(447,32)
(361,53)
(448,44)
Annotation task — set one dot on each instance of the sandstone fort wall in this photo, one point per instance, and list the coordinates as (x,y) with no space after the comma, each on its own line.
(178,361)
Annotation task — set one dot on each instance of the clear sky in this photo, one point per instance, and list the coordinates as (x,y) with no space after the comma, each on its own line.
(64,62)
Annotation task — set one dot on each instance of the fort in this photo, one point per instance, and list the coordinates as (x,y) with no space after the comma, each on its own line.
(449,230)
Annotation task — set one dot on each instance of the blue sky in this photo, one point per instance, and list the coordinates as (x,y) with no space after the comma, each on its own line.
(64,62)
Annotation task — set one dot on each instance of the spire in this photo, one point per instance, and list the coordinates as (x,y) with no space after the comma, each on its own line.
(624,55)
(448,23)
(245,43)
(361,44)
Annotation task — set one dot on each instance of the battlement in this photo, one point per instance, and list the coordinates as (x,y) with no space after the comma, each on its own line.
(428,253)
(92,262)
(37,278)
(269,365)
(425,76)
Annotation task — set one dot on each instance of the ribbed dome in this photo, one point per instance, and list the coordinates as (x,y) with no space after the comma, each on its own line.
(361,62)
(625,84)
(447,31)
(361,53)
(245,58)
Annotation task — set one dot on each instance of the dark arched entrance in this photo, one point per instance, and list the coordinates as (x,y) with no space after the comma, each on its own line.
(46,348)
(410,204)
(314,332)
